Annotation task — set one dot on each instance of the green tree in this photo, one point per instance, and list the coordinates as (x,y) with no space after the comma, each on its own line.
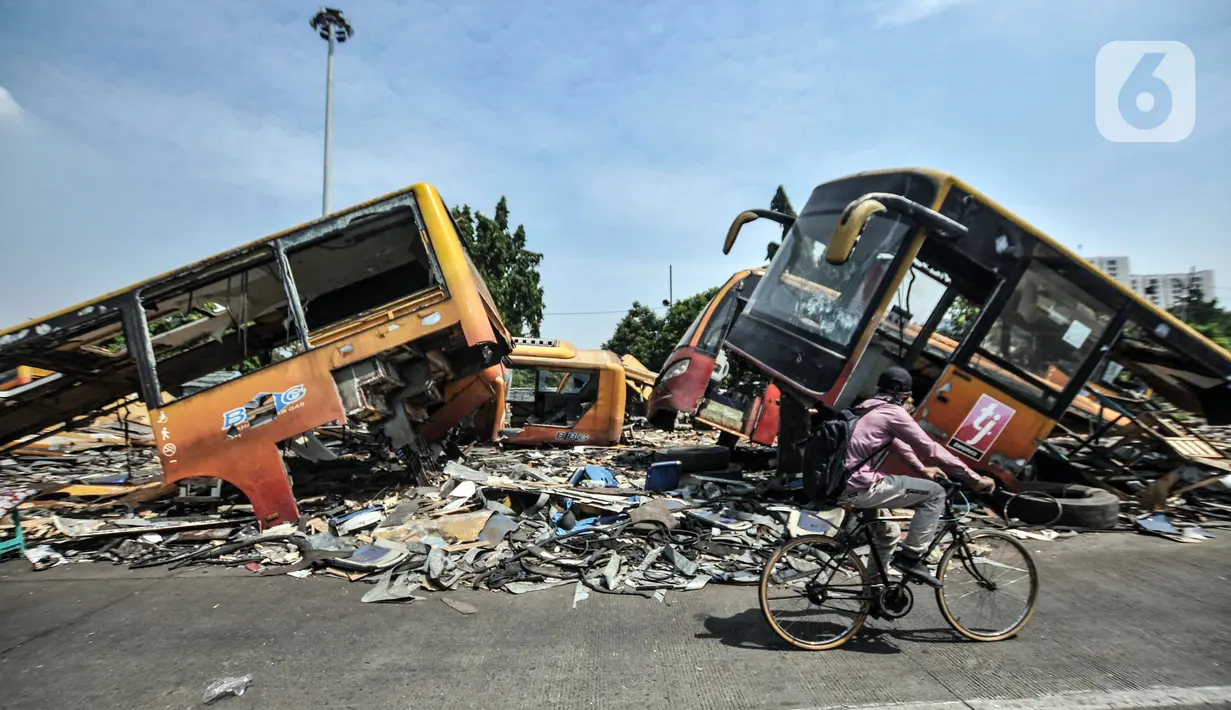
(510,270)
(958,318)
(779,203)
(1205,317)
(650,337)
(637,333)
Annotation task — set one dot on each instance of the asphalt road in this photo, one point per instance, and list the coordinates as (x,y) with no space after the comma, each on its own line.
(1123,621)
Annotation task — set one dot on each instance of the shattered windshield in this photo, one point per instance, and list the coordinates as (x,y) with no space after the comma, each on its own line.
(819,298)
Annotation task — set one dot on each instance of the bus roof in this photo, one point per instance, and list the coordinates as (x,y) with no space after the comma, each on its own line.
(944,179)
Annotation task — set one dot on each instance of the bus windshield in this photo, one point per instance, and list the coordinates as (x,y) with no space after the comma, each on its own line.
(825,301)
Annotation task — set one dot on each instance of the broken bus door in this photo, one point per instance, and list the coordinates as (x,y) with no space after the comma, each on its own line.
(693,377)
(1039,319)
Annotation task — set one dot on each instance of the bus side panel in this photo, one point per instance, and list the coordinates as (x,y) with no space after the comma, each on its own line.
(987,429)
(232,431)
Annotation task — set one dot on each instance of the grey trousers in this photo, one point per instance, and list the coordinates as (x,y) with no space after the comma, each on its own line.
(927,499)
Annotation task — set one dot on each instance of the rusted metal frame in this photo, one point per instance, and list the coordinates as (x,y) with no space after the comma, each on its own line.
(292,294)
(61,328)
(141,348)
(1197,435)
(1088,441)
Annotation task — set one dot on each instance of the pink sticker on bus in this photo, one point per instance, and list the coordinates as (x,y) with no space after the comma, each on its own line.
(982,425)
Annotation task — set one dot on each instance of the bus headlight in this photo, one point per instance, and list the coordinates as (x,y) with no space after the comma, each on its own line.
(676,370)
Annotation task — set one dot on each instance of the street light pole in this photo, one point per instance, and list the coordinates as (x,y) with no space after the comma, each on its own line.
(328,125)
(333,28)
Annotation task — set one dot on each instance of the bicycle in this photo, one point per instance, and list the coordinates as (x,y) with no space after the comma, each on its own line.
(799,565)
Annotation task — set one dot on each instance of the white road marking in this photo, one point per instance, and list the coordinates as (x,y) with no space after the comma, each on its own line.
(1098,700)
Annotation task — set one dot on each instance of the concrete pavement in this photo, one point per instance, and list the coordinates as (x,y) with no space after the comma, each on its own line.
(1123,621)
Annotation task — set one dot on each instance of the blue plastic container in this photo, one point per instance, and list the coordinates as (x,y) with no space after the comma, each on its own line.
(664,476)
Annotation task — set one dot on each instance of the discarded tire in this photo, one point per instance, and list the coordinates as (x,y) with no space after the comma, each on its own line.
(1079,506)
(695,459)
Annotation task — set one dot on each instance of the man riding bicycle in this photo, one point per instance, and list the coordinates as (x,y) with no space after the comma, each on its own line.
(884,425)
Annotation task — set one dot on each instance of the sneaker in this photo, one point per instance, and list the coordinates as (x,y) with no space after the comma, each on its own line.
(915,569)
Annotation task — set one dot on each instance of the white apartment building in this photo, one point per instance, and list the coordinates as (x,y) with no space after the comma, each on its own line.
(1163,290)
(1114,266)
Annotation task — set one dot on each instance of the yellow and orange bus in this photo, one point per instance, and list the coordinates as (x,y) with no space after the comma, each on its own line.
(369,317)
(878,264)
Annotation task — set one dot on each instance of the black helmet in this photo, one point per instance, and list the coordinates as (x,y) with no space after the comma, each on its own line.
(895,380)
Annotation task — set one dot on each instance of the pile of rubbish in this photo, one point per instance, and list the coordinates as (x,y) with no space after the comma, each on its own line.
(664,512)
(500,523)
(1162,472)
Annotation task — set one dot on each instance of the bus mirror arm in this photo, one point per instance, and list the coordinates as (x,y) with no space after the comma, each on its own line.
(856,215)
(747,216)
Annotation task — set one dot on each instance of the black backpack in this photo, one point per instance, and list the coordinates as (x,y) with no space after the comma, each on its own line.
(824,476)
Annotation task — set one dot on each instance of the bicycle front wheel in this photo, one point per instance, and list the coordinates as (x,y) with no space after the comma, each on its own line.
(814,593)
(991,585)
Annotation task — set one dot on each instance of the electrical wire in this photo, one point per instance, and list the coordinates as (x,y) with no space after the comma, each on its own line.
(602,313)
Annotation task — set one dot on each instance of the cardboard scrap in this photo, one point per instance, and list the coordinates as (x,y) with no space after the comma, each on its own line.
(460,528)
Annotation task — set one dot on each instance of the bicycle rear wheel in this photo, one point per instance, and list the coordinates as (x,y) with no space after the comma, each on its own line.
(814,593)
(991,586)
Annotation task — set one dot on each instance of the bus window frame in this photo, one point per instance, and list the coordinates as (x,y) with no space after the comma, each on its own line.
(136,326)
(710,326)
(872,314)
(289,245)
(969,348)
(752,320)
(144,354)
(742,291)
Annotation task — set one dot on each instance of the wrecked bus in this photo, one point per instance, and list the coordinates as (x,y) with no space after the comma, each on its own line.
(366,318)
(555,393)
(693,377)
(878,264)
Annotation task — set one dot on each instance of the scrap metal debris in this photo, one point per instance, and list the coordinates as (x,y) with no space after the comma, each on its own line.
(518,520)
(224,687)
(1149,456)
(515,520)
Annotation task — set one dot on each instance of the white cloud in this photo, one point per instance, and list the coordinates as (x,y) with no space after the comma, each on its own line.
(10,110)
(905,12)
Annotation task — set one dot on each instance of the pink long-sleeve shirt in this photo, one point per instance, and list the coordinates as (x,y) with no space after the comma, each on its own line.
(891,424)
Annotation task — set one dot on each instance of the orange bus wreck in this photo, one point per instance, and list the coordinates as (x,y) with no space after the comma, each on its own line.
(1010,334)
(373,318)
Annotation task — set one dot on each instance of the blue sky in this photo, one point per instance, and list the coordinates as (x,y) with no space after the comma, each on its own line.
(138,136)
